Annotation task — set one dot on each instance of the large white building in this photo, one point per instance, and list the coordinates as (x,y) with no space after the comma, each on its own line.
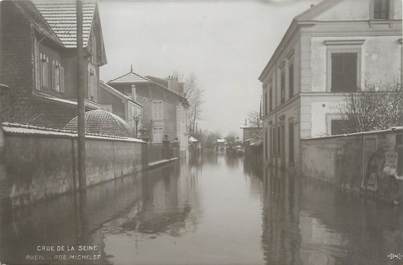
(334,48)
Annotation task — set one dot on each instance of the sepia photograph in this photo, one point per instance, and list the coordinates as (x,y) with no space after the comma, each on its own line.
(201,132)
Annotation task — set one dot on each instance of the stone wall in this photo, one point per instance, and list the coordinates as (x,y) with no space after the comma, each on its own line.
(40,164)
(371,162)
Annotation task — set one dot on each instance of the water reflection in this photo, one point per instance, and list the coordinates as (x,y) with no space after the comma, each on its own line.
(214,210)
(310,222)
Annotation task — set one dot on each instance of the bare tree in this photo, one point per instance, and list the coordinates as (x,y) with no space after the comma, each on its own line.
(194,94)
(376,108)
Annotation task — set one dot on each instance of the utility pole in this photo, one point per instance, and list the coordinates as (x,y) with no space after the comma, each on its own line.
(80,97)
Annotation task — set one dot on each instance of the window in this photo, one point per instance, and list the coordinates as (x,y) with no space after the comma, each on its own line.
(339,127)
(270,98)
(278,141)
(290,80)
(157,110)
(266,152)
(282,86)
(275,143)
(49,72)
(272,131)
(282,144)
(92,82)
(58,76)
(381,9)
(61,68)
(344,72)
(265,103)
(45,71)
(291,143)
(157,134)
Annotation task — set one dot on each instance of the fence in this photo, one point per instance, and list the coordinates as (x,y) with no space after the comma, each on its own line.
(370,162)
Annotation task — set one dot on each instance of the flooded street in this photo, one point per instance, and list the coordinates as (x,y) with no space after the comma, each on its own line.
(216,210)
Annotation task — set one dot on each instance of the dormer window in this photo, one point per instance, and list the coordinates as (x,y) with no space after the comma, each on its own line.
(381,9)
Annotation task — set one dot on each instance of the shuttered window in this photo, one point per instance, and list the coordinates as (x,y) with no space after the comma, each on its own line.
(344,72)
(157,110)
(282,86)
(290,80)
(45,71)
(381,9)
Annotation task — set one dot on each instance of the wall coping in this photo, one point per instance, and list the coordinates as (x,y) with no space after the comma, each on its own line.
(391,130)
(23,129)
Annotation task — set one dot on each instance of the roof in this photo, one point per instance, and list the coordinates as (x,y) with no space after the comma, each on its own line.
(64,101)
(220,140)
(305,17)
(62,18)
(132,77)
(38,22)
(101,122)
(117,93)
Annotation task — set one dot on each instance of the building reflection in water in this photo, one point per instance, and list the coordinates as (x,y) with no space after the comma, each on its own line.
(216,210)
(309,222)
(156,202)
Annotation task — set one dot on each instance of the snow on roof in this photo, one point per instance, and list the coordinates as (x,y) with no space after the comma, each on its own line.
(88,104)
(221,140)
(102,122)
(16,128)
(61,16)
(392,129)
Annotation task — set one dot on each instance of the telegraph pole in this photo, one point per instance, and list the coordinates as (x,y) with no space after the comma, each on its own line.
(80,97)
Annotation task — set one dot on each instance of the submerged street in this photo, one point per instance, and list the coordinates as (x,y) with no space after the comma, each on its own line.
(214,210)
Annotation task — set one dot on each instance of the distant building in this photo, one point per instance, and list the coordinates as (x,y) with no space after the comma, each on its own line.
(164,106)
(332,49)
(220,145)
(251,134)
(126,107)
(39,63)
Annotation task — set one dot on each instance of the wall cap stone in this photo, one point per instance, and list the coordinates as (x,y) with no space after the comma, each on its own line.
(24,129)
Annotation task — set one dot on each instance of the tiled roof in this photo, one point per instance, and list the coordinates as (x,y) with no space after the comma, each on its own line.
(29,11)
(101,122)
(61,16)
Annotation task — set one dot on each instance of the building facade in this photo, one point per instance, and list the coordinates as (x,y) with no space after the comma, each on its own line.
(164,106)
(126,107)
(335,48)
(39,60)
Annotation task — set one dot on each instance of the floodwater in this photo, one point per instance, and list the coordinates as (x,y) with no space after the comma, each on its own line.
(213,210)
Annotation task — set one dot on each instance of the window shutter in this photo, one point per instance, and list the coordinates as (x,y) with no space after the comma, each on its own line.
(61,75)
(344,72)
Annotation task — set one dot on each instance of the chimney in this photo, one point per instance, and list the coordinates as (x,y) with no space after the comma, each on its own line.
(174,85)
(134,93)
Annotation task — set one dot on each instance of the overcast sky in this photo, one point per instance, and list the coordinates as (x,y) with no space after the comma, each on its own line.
(226,44)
